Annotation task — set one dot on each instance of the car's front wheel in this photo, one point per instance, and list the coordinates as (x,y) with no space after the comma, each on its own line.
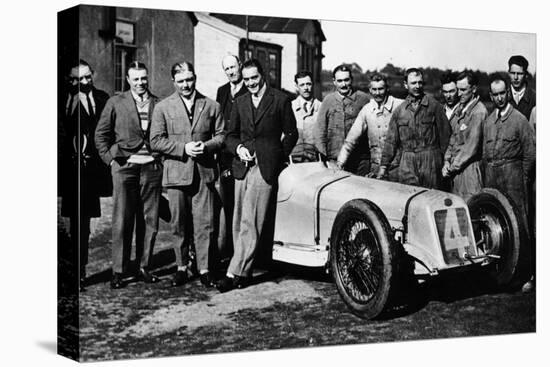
(363,258)
(501,234)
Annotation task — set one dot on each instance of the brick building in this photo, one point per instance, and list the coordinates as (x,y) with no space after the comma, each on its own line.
(109,38)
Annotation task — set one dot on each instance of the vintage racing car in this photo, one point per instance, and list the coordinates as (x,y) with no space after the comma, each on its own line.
(370,232)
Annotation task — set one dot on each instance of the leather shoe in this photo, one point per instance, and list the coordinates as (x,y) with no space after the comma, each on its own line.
(147,277)
(116,281)
(207,280)
(226,283)
(179,278)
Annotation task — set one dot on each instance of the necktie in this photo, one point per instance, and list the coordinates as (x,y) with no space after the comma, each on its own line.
(305,107)
(90,107)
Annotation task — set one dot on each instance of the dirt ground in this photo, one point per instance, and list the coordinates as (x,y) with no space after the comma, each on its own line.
(289,307)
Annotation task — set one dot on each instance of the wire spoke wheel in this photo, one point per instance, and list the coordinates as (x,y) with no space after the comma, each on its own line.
(363,258)
(360,259)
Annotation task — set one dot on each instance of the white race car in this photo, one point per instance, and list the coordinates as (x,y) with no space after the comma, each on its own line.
(369,232)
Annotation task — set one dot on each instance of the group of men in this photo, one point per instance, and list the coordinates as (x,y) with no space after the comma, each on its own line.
(182,144)
(186,143)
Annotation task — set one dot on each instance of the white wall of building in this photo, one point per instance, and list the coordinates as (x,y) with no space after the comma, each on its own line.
(212,44)
(289,55)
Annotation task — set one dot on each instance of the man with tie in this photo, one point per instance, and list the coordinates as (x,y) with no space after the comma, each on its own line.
(79,157)
(305,108)
(261,134)
(122,140)
(187,129)
(226,96)
(463,155)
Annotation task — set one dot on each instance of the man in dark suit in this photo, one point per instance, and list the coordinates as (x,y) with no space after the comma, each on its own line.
(226,96)
(79,115)
(261,134)
(188,128)
(122,140)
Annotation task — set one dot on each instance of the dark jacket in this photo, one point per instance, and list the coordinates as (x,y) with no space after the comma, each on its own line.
(260,132)
(119,134)
(226,101)
(95,177)
(526,103)
(334,120)
(171,130)
(427,128)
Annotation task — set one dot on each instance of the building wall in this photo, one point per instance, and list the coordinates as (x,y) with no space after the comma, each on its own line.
(212,45)
(162,37)
(289,56)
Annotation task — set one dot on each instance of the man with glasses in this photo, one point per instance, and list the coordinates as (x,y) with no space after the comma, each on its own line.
(84,178)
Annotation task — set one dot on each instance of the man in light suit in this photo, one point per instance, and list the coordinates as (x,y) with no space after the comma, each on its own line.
(261,134)
(122,140)
(187,129)
(226,96)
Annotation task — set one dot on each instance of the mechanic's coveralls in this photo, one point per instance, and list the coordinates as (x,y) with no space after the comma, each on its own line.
(464,151)
(509,154)
(422,135)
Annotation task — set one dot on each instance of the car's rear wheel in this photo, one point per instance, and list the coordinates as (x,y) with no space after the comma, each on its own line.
(501,234)
(363,258)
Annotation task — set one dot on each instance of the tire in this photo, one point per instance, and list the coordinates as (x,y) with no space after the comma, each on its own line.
(500,232)
(364,260)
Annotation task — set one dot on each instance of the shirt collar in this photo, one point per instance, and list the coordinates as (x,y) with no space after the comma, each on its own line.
(451,109)
(519,92)
(138,98)
(85,94)
(470,104)
(352,95)
(261,92)
(189,101)
(236,87)
(301,101)
(388,105)
(504,115)
(423,100)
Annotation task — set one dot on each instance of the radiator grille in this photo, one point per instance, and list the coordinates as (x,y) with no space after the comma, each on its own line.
(454,237)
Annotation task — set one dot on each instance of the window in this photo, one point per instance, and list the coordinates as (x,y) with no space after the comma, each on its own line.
(123,57)
(269,55)
(125,52)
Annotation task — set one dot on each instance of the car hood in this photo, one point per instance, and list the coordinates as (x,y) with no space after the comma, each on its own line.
(333,188)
